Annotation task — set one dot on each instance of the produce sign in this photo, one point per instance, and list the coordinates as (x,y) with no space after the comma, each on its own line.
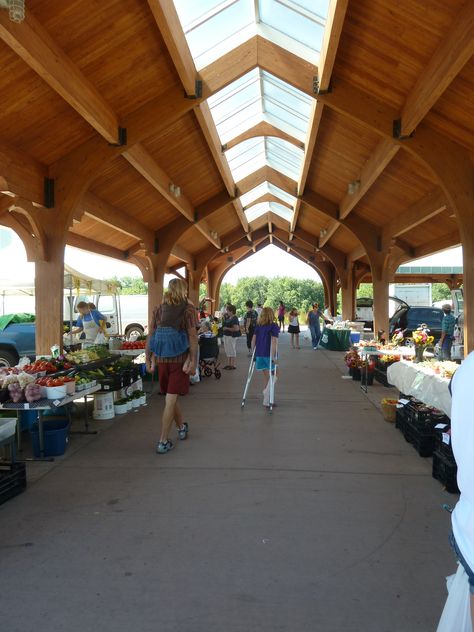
(137,344)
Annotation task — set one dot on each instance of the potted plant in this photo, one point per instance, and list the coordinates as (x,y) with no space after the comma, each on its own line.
(353,363)
(421,340)
(142,398)
(121,406)
(136,399)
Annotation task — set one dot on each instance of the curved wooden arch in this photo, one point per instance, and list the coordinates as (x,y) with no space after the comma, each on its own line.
(33,246)
(263,129)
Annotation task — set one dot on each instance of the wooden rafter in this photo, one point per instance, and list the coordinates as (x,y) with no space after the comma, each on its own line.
(332,33)
(90,245)
(423,210)
(37,48)
(455,50)
(263,129)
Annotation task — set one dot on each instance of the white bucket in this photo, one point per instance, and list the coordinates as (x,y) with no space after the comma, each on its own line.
(103,406)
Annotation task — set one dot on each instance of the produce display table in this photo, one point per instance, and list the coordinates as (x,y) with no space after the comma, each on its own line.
(417,381)
(335,339)
(127,352)
(49,404)
(367,353)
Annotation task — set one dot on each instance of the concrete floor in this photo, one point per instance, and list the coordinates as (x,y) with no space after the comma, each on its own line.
(320,518)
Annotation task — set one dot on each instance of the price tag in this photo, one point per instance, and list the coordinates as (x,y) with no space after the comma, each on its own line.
(26,406)
(57,402)
(441,426)
(446,438)
(403,402)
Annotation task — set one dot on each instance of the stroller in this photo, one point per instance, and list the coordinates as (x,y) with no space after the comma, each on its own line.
(208,357)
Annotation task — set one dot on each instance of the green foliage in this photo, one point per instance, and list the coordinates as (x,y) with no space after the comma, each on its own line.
(297,293)
(132,285)
(202,291)
(365,290)
(440,292)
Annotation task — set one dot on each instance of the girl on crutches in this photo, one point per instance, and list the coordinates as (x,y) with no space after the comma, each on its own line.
(265,348)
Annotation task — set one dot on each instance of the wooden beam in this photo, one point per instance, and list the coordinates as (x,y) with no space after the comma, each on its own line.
(171,30)
(206,123)
(213,205)
(268,197)
(321,204)
(107,214)
(262,129)
(328,232)
(22,175)
(375,165)
(229,67)
(181,253)
(266,174)
(437,245)
(145,164)
(37,48)
(90,245)
(357,253)
(422,211)
(455,50)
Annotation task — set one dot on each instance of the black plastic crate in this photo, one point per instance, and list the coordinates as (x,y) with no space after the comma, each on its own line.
(111,383)
(446,449)
(12,480)
(381,377)
(401,419)
(422,441)
(445,470)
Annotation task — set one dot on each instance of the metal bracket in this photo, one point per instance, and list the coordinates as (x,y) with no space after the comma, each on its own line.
(224,148)
(121,138)
(317,89)
(156,246)
(397,130)
(49,192)
(197,91)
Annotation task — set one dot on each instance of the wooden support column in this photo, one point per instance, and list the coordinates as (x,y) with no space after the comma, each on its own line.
(49,285)
(348,294)
(381,318)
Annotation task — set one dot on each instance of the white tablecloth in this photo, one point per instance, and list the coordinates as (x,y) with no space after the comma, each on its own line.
(429,388)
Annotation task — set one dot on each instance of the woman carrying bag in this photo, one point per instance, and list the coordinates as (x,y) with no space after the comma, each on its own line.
(173,344)
(231,329)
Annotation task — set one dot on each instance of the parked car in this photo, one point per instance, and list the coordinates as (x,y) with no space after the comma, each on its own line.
(16,340)
(409,318)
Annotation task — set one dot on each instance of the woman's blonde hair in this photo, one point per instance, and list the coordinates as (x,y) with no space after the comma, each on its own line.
(176,293)
(267,316)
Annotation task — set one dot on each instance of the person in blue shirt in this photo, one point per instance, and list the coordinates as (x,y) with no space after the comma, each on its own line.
(314,325)
(90,321)
(265,344)
(447,332)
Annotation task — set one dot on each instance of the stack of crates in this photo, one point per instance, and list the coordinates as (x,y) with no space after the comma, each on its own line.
(444,464)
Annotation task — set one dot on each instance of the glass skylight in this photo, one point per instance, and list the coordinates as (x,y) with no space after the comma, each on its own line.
(213,28)
(246,157)
(264,188)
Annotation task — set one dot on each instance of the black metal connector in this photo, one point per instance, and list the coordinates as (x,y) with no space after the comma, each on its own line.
(397,130)
(49,192)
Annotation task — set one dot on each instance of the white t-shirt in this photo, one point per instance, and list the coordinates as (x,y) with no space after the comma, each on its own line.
(462,437)
(294,321)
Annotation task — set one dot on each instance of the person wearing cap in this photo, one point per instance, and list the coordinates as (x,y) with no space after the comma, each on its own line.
(447,332)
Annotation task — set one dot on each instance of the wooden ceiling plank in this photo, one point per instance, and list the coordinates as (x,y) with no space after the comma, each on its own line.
(455,50)
(21,174)
(423,210)
(170,28)
(437,245)
(214,205)
(181,253)
(145,164)
(36,47)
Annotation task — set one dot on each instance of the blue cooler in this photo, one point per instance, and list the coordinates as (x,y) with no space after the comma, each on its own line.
(55,437)
(355,337)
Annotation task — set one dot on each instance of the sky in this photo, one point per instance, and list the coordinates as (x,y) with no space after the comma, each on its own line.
(270,262)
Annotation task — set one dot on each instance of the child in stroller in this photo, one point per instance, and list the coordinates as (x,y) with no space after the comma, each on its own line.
(208,352)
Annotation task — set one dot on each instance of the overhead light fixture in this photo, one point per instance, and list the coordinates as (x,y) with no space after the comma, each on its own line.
(214,234)
(353,187)
(16,9)
(323,232)
(175,190)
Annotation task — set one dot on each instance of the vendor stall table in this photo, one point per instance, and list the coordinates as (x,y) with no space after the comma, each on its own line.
(367,353)
(49,404)
(417,381)
(127,352)
(335,339)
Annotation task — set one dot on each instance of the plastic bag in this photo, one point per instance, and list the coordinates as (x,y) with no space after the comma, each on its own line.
(456,615)
(307,334)
(100,339)
(195,379)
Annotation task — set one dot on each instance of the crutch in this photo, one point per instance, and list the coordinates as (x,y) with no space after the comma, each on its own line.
(249,378)
(272,379)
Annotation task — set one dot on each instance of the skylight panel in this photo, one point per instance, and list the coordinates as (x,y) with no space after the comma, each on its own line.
(282,211)
(283,195)
(213,29)
(256,211)
(284,157)
(254,194)
(302,21)
(246,157)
